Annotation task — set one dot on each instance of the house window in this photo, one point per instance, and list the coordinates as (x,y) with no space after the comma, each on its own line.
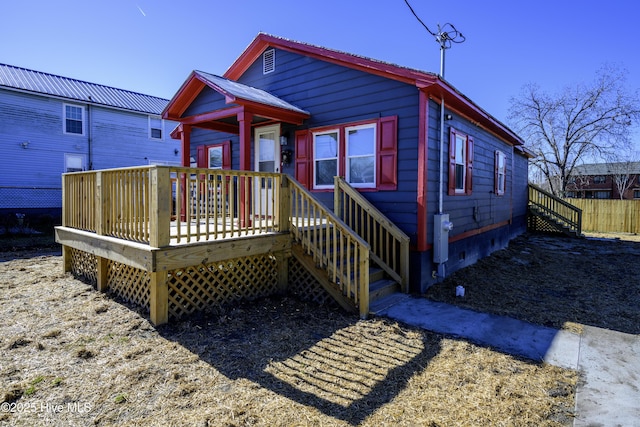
(460,163)
(268,61)
(601,195)
(500,173)
(155,127)
(599,179)
(73,119)
(73,163)
(636,194)
(325,155)
(365,153)
(215,156)
(360,155)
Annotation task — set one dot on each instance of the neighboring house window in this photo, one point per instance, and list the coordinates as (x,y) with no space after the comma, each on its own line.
(636,194)
(73,163)
(325,158)
(500,173)
(601,195)
(460,163)
(361,155)
(599,179)
(572,194)
(73,119)
(268,61)
(215,156)
(155,127)
(364,153)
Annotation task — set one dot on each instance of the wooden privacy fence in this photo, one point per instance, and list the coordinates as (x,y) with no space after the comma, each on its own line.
(609,215)
(160,205)
(389,244)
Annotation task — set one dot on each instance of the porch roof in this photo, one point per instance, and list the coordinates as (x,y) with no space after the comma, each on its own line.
(239,97)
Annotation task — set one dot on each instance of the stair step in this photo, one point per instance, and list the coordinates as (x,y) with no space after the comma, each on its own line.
(382,288)
(382,304)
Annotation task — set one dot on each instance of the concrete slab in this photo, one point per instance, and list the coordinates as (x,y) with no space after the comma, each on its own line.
(610,392)
(609,361)
(505,334)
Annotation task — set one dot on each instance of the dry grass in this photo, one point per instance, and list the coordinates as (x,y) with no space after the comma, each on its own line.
(555,281)
(72,356)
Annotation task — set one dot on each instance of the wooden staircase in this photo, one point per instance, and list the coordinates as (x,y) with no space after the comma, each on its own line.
(549,213)
(354,252)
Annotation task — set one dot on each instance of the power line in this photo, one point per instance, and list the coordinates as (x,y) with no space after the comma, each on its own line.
(445,36)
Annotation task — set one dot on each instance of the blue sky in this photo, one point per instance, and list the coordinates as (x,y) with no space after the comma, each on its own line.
(151,46)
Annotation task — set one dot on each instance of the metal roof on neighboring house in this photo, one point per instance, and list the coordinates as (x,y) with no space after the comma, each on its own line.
(608,168)
(77,90)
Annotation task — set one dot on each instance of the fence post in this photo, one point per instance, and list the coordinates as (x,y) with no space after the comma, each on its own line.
(160,209)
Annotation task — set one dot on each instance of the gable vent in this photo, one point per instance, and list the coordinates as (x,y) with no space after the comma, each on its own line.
(268,61)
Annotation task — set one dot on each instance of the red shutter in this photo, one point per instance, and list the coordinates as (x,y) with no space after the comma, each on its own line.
(387,161)
(303,158)
(452,162)
(202,157)
(226,155)
(468,188)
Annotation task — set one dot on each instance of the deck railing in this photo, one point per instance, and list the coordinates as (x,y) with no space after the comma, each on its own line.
(389,244)
(161,205)
(555,208)
(333,245)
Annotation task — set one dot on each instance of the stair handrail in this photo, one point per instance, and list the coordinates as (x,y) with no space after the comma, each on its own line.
(556,208)
(308,220)
(389,244)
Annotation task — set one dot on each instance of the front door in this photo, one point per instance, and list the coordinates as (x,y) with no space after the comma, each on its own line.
(267,159)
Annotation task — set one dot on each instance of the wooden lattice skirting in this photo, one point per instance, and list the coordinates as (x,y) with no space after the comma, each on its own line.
(305,286)
(198,287)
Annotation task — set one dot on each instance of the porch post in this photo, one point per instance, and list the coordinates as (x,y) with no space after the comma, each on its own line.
(244,120)
(185,138)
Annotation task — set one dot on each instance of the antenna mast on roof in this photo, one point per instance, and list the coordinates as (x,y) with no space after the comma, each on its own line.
(445,36)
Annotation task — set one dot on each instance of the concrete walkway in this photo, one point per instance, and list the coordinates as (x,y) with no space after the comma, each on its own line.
(608,392)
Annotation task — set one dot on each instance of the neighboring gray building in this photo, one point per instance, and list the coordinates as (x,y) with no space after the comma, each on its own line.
(51,124)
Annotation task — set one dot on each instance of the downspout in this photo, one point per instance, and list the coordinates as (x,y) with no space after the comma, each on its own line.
(89,136)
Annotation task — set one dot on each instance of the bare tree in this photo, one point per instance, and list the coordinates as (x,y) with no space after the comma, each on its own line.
(623,173)
(578,123)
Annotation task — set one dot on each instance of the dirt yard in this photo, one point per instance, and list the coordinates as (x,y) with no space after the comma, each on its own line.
(72,356)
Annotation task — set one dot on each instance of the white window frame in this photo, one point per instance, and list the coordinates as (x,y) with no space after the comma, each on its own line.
(374,154)
(69,156)
(316,159)
(211,148)
(501,173)
(64,119)
(151,121)
(461,141)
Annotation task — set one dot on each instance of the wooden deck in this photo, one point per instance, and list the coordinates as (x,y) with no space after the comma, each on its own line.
(176,240)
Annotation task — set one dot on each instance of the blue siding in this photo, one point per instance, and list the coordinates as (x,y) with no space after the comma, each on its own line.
(31,177)
(335,94)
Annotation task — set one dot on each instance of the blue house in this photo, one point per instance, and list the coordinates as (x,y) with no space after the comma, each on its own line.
(51,124)
(443,170)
